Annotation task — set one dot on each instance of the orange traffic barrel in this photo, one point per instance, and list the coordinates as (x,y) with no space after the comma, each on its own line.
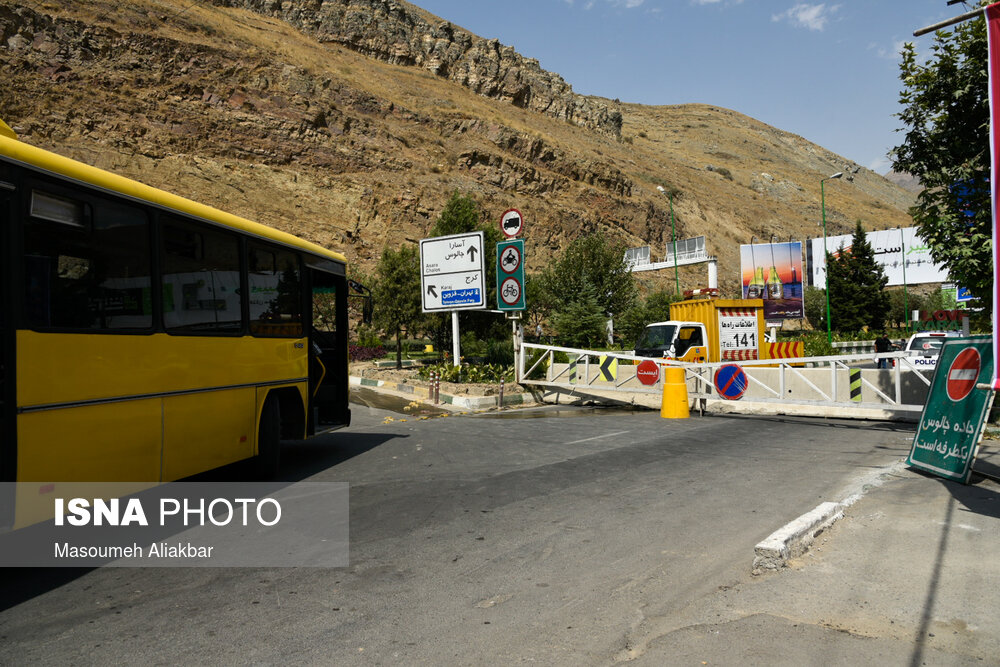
(675,394)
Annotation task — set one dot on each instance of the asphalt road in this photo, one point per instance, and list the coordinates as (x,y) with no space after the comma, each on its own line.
(547,536)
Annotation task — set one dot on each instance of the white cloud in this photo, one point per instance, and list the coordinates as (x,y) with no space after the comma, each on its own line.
(715,2)
(813,17)
(880,165)
(626,4)
(889,53)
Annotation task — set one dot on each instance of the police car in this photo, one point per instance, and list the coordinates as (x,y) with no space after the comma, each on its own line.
(924,348)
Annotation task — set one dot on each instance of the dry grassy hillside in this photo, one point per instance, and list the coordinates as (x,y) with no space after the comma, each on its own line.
(248,113)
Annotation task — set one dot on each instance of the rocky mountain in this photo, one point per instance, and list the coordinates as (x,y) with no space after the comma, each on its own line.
(350,122)
(402,34)
(905,181)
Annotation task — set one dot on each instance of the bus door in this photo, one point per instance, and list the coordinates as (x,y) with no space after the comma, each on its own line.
(8,398)
(328,408)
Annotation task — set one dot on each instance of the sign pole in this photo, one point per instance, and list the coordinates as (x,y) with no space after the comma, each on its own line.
(517,332)
(906,299)
(456,348)
(515,321)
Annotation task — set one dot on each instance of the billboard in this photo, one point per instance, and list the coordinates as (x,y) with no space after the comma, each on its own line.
(773,272)
(896,250)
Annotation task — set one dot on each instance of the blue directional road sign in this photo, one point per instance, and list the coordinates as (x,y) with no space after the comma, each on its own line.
(510,275)
(731,382)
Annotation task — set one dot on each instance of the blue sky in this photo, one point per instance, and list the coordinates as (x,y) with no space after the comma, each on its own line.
(826,71)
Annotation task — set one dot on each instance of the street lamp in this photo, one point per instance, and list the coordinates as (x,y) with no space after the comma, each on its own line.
(906,303)
(673,235)
(826,253)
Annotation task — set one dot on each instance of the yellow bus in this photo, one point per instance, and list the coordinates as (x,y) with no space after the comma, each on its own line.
(146,338)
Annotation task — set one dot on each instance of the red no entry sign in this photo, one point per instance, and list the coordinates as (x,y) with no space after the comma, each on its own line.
(963,372)
(648,371)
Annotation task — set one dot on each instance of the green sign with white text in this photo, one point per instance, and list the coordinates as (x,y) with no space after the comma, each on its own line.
(955,412)
(510,275)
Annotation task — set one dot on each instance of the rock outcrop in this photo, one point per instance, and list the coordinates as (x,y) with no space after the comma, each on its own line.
(397,32)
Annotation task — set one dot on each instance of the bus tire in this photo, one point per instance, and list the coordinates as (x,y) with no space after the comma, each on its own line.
(268,457)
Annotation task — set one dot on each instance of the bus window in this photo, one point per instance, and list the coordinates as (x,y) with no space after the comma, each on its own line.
(275,281)
(87,265)
(201,280)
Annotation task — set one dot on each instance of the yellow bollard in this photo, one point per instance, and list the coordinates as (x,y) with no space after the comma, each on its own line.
(675,394)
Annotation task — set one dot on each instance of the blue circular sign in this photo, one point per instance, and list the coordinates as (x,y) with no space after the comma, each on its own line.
(731,382)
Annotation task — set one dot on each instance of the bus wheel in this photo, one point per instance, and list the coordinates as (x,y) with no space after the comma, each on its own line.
(269,440)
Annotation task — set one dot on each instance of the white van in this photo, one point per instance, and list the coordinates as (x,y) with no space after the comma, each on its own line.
(923,348)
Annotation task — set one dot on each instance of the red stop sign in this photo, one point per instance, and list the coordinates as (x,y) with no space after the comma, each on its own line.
(963,373)
(648,371)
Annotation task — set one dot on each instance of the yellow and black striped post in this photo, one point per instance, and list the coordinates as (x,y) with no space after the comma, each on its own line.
(856,385)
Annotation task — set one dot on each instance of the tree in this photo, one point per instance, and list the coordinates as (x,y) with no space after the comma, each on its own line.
(815,305)
(655,308)
(580,322)
(946,118)
(901,307)
(397,293)
(539,301)
(591,261)
(460,215)
(857,286)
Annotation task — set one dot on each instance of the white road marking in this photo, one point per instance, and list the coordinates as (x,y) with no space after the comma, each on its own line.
(597,437)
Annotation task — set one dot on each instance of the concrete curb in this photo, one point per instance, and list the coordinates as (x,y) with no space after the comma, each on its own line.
(407,363)
(466,402)
(794,538)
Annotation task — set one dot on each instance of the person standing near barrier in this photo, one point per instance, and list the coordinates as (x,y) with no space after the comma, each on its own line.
(882,345)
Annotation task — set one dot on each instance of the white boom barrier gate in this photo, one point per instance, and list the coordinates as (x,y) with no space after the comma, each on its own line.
(809,386)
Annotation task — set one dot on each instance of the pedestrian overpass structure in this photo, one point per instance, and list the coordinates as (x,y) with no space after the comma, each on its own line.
(688,251)
(846,385)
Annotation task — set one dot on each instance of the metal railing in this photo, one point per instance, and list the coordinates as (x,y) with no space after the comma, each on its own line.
(825,383)
(689,251)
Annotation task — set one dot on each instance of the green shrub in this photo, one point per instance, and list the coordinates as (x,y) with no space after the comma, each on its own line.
(500,352)
(477,374)
(815,344)
(472,345)
(533,356)
(415,346)
(368,336)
